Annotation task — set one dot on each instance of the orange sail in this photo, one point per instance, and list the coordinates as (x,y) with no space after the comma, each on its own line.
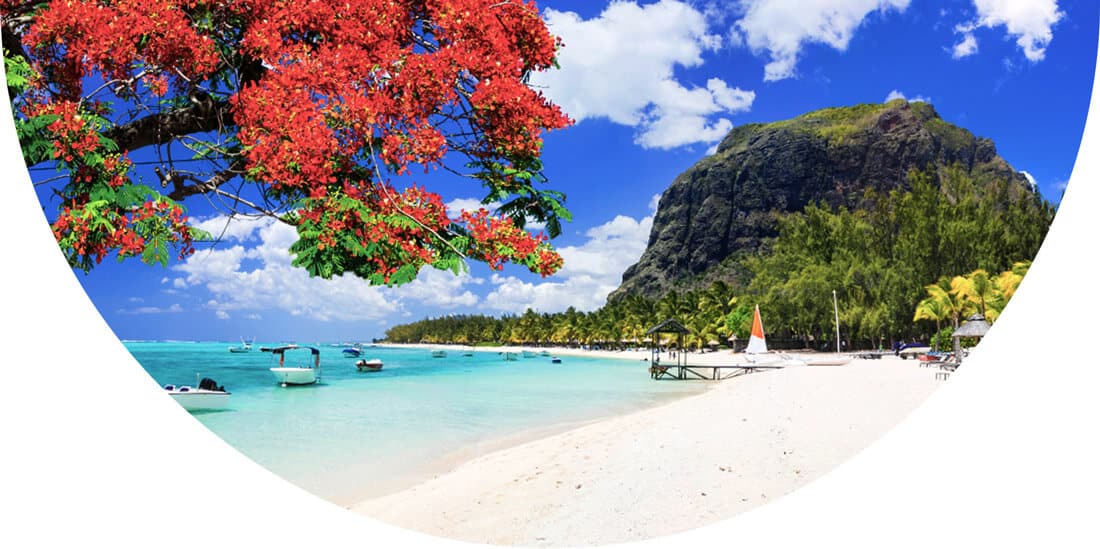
(756,336)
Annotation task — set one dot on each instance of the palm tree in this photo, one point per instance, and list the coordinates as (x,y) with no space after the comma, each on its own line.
(1009,280)
(943,291)
(931,308)
(977,287)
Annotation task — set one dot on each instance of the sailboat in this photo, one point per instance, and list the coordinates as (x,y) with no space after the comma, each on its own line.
(758,346)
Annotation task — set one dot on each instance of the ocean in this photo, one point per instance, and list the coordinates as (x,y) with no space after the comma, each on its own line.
(357,435)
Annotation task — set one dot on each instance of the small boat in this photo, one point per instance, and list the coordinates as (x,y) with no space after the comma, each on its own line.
(245,347)
(371,365)
(757,354)
(209,396)
(509,355)
(555,360)
(544,353)
(296,375)
(439,353)
(529,354)
(352,352)
(469,351)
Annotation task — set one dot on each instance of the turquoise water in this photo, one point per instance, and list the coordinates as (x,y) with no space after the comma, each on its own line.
(360,434)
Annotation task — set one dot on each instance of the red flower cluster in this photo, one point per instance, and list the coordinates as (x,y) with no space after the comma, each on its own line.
(93,229)
(339,95)
(74,38)
(497,239)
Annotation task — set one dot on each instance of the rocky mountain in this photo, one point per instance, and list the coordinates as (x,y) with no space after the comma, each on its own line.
(726,205)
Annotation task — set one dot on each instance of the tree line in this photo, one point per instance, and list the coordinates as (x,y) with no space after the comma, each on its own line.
(894,264)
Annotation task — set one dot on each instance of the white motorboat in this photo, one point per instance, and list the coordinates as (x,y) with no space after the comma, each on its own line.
(306,374)
(439,353)
(246,347)
(369,365)
(208,396)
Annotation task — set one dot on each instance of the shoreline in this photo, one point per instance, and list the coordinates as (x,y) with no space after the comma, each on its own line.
(454,459)
(680,465)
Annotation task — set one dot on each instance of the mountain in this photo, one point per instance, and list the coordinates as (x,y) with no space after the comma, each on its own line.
(726,205)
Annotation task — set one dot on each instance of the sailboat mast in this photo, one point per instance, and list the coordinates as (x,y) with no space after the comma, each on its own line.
(836,319)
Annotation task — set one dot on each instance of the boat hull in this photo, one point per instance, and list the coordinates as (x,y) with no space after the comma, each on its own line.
(201,400)
(373,365)
(294,376)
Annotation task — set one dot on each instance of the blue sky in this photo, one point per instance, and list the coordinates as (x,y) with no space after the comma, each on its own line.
(654,86)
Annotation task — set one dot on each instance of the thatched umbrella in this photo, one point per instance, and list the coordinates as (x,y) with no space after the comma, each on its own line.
(975,326)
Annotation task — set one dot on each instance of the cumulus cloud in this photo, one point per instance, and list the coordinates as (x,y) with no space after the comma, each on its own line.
(592,270)
(895,94)
(1029,21)
(454,207)
(966,47)
(782,27)
(469,204)
(620,65)
(269,283)
(272,283)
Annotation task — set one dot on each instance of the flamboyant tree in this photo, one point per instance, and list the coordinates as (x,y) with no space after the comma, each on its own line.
(319,113)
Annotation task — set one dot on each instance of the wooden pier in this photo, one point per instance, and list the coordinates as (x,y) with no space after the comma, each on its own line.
(717,372)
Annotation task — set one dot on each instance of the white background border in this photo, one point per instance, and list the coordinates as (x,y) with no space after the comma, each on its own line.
(1004,454)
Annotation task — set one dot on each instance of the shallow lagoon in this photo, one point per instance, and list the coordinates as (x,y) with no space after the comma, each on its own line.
(360,434)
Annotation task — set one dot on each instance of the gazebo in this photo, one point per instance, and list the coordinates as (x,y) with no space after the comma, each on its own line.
(670,326)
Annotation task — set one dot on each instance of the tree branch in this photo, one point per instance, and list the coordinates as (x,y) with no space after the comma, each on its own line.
(181,191)
(160,128)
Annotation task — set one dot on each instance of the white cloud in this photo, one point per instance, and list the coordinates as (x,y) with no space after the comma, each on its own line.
(783,27)
(455,206)
(274,284)
(1029,21)
(442,289)
(966,47)
(620,65)
(174,308)
(591,271)
(895,94)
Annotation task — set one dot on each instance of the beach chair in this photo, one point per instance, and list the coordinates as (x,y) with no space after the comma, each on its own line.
(946,367)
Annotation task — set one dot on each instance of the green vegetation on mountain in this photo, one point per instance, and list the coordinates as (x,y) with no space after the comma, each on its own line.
(729,204)
(883,263)
(878,203)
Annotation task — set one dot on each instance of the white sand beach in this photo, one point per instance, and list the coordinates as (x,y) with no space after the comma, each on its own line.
(746,441)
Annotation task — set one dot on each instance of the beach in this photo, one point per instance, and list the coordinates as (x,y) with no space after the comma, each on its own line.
(691,462)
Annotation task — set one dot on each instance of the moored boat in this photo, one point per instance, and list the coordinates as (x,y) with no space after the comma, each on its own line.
(208,396)
(245,347)
(297,375)
(369,365)
(439,353)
